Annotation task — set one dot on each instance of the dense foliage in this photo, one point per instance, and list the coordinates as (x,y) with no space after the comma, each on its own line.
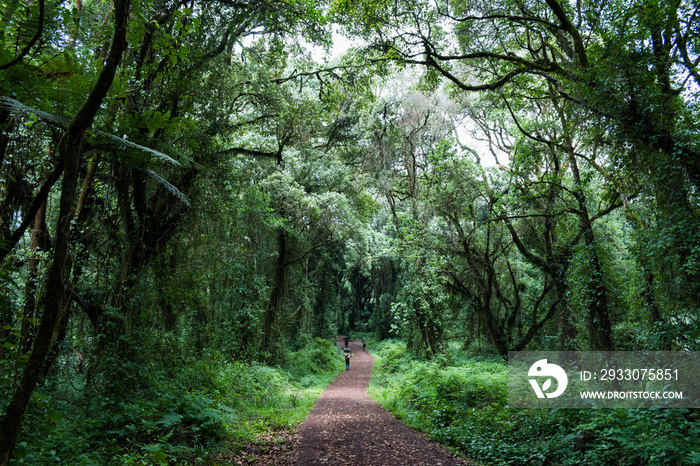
(461,401)
(195,411)
(192,192)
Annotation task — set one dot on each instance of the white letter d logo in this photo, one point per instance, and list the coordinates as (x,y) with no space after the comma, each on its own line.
(543,369)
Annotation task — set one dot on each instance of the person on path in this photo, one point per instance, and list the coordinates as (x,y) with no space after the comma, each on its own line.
(348,355)
(364,344)
(347,340)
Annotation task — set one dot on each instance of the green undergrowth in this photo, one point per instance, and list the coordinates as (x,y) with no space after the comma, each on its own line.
(461,401)
(201,412)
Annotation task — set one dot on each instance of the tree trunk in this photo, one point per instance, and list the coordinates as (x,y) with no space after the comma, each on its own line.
(270,333)
(38,243)
(56,296)
(598,319)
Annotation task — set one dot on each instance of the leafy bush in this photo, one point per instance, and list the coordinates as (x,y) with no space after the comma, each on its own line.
(465,407)
(191,414)
(317,357)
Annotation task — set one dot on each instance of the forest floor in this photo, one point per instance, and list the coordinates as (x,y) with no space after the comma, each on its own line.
(346,427)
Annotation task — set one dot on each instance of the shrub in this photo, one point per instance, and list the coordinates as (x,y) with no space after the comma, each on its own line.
(189,414)
(466,407)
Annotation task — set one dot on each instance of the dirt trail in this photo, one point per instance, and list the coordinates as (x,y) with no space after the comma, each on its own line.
(346,427)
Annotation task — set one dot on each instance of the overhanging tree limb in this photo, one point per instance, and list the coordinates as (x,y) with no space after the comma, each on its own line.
(497,84)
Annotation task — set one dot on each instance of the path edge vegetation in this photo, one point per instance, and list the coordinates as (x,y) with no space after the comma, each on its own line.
(461,402)
(208,410)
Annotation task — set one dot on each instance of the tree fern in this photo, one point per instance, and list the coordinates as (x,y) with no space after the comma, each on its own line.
(18,108)
(123,143)
(169,186)
(101,138)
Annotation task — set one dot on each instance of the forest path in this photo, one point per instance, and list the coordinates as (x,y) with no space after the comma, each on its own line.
(346,427)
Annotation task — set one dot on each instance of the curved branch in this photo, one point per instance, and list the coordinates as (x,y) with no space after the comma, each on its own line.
(331,71)
(567,26)
(522,130)
(514,18)
(511,58)
(8,245)
(500,82)
(244,151)
(543,215)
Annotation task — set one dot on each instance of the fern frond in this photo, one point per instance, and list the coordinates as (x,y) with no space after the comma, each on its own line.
(122,143)
(169,186)
(16,107)
(170,420)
